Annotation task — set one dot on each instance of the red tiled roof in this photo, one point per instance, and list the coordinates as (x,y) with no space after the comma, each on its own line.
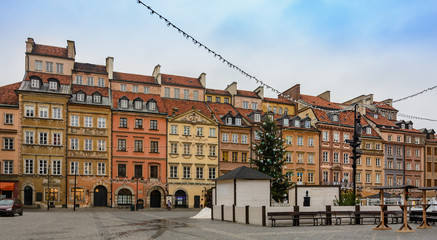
(280,101)
(380,121)
(344,118)
(134,77)
(49,50)
(221,109)
(246,112)
(116,95)
(88,67)
(7,94)
(89,90)
(384,106)
(63,79)
(244,93)
(185,106)
(167,79)
(318,101)
(217,92)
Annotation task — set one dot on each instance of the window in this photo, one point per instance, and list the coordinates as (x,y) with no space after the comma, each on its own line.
(310,158)
(325,176)
(311,177)
(280,111)
(195,95)
(138,123)
(101,82)
(138,171)
(345,137)
(297,123)
(134,88)
(88,121)
(153,171)
(88,144)
(101,168)
(378,178)
(173,171)
(34,83)
(101,145)
(226,100)
(43,112)
(275,110)
(286,122)
(211,173)
(199,131)
(79,80)
(300,158)
(359,161)
(368,161)
(28,166)
(121,170)
(368,130)
(101,122)
(390,181)
(225,137)
(299,141)
(167,92)
(234,138)
(153,124)
(124,103)
(53,85)
(229,121)
(378,146)
(123,122)
(74,120)
(289,140)
(307,124)
(257,117)
(59,68)
(238,121)
(38,65)
(7,167)
(74,144)
(138,145)
(408,166)
(173,129)
(368,146)
(56,167)
(186,94)
(138,104)
(49,67)
(146,90)
(43,138)
(121,144)
(209,99)
(57,113)
(42,168)
(74,167)
(257,135)
(325,136)
(199,172)
(358,177)
(299,177)
(152,106)
(212,132)
(187,172)
(399,165)
(389,137)
(244,139)
(245,105)
(254,106)
(212,150)
(390,150)
(225,156)
(346,158)
(289,157)
(417,140)
(417,165)
(173,148)
(234,156)
(87,168)
(28,137)
(199,148)
(97,98)
(336,137)
(368,177)
(336,157)
(378,162)
(325,157)
(399,138)
(187,148)
(56,137)
(90,81)
(154,147)
(398,151)
(244,157)
(417,152)
(9,118)
(390,165)
(310,142)
(177,93)
(8,143)
(186,130)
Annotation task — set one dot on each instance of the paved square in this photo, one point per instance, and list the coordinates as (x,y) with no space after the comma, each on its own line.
(108,224)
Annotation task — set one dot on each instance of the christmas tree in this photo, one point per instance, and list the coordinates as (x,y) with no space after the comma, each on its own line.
(270,152)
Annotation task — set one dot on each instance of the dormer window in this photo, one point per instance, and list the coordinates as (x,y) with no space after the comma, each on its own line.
(80,96)
(307,124)
(410,126)
(34,83)
(280,111)
(403,125)
(275,110)
(286,122)
(376,116)
(285,111)
(138,104)
(335,118)
(238,121)
(297,123)
(124,102)
(97,98)
(152,106)
(257,117)
(229,121)
(53,85)
(369,130)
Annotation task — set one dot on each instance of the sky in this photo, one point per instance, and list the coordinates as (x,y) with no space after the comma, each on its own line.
(382,47)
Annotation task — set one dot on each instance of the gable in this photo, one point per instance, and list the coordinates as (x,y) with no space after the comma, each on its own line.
(193,117)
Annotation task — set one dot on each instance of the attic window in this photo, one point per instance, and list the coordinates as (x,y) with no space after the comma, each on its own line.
(335,118)
(124,103)
(280,111)
(410,126)
(229,121)
(286,122)
(376,116)
(297,123)
(97,98)
(138,104)
(257,117)
(34,83)
(152,106)
(80,97)
(238,121)
(403,125)
(307,124)
(369,130)
(53,85)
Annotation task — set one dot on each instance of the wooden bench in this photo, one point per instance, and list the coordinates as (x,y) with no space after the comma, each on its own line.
(375,215)
(273,216)
(396,216)
(338,215)
(295,216)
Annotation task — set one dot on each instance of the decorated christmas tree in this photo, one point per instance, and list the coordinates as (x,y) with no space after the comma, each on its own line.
(270,152)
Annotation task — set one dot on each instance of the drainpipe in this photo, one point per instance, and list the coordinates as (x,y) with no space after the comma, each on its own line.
(66,159)
(403,162)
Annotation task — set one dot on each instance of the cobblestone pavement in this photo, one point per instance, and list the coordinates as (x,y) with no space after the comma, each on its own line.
(110,224)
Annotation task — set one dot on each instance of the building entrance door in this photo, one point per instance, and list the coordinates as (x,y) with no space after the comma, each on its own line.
(155,199)
(196,201)
(28,195)
(100,196)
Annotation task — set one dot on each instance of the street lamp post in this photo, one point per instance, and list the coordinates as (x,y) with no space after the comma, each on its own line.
(48,184)
(74,201)
(136,195)
(355,144)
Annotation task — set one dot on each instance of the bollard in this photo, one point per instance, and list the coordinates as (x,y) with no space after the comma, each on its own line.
(296,217)
(247,214)
(264,215)
(233,213)
(223,212)
(328,215)
(357,214)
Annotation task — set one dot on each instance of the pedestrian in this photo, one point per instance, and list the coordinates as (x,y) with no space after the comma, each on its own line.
(168,205)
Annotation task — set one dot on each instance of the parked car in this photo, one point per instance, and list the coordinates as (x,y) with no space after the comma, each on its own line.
(11,207)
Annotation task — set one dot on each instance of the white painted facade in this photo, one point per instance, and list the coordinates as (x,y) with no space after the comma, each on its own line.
(254,193)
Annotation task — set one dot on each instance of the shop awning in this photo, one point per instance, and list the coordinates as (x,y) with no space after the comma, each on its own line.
(7,186)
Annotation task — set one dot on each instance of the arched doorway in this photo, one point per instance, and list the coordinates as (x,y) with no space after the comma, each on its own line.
(100,196)
(181,199)
(124,197)
(28,195)
(155,199)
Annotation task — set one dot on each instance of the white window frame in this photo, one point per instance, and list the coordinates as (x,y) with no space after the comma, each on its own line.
(101,168)
(57,112)
(43,111)
(28,166)
(225,137)
(101,122)
(88,121)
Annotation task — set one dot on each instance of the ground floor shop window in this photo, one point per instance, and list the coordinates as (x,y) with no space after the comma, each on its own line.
(52,194)
(79,194)
(124,197)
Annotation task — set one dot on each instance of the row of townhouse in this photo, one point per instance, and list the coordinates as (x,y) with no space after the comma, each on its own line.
(83,133)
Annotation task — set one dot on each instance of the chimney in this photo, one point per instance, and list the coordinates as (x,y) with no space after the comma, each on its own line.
(29,45)
(202,79)
(110,67)
(71,49)
(157,74)
(325,96)
(232,88)
(293,93)
(260,91)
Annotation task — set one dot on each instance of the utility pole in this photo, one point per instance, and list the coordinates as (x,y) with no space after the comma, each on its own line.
(355,144)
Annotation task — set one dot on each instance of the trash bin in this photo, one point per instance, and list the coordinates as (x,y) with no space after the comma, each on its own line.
(140,204)
(132,207)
